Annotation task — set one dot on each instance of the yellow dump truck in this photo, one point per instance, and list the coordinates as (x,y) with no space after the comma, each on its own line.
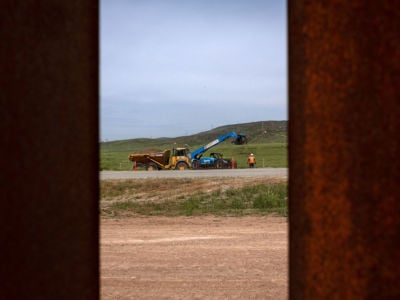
(163,160)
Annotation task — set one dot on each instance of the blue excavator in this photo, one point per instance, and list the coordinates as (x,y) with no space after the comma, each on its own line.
(215,160)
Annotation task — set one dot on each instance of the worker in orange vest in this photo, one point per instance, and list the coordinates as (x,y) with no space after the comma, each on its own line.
(251,160)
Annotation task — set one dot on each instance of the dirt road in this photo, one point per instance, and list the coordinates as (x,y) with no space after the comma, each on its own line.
(194,258)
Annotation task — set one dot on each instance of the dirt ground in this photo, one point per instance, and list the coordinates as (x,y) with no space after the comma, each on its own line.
(194,258)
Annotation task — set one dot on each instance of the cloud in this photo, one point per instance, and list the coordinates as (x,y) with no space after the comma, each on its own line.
(190,54)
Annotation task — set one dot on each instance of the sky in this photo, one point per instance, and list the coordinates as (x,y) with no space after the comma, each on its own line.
(173,68)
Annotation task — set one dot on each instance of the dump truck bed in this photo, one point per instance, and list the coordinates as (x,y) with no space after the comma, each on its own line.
(161,157)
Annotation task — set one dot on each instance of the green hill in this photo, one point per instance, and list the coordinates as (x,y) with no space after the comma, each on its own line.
(267,139)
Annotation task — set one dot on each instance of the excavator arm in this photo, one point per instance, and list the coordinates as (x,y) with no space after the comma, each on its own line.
(238,139)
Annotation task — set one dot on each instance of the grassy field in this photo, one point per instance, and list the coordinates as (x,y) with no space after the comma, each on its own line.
(227,197)
(267,140)
(267,155)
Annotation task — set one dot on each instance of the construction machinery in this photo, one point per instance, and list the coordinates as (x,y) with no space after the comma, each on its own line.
(178,158)
(181,158)
(216,160)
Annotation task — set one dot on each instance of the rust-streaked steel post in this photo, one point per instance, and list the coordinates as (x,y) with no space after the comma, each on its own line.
(344,149)
(49,149)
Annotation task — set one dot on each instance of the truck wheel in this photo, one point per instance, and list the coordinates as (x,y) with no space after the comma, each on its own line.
(227,164)
(219,164)
(181,166)
(195,164)
(151,167)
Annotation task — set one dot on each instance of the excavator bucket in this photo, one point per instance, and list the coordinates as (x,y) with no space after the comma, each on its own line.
(240,140)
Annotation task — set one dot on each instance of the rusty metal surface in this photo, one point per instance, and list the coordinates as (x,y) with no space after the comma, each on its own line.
(49,156)
(343,155)
(344,166)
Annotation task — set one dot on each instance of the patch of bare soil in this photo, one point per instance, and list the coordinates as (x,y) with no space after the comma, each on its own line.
(194,258)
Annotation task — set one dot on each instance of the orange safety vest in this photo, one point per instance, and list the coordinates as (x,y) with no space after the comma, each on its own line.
(252,159)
